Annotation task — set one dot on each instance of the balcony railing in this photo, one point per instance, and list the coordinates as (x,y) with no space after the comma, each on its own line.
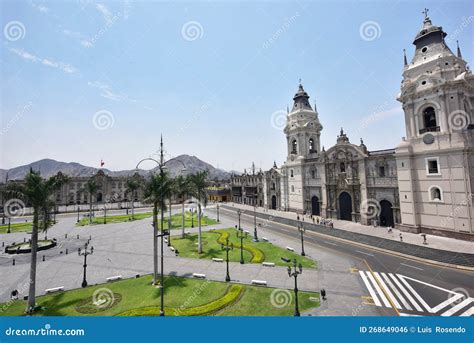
(429,129)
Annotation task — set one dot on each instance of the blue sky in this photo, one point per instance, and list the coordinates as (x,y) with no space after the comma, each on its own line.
(84,81)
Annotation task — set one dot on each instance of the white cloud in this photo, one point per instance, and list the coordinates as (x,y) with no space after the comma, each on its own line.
(64,67)
(107,92)
(105,13)
(84,40)
(40,7)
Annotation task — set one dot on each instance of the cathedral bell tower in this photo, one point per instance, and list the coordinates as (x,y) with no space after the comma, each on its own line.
(435,161)
(302,131)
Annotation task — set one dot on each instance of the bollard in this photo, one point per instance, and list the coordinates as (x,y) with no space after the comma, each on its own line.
(66,251)
(77,236)
(13,261)
(65,236)
(43,258)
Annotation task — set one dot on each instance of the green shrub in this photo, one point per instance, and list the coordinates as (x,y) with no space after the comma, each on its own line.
(229,298)
(258,255)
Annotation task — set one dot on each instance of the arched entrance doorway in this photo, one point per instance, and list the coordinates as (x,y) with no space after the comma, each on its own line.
(99,197)
(274,202)
(345,206)
(315,206)
(386,214)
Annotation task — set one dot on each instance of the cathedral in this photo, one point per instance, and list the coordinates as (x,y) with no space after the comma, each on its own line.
(425,184)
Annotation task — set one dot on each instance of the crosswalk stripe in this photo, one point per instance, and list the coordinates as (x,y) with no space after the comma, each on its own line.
(387,290)
(379,291)
(456,308)
(397,293)
(407,294)
(445,303)
(371,290)
(418,297)
(468,313)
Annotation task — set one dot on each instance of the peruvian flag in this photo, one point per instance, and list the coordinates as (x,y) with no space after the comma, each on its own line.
(102,163)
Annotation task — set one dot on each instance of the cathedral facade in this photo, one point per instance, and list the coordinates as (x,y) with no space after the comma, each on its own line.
(424,185)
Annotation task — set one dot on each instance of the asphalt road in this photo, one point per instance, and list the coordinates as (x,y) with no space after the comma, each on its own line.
(429,285)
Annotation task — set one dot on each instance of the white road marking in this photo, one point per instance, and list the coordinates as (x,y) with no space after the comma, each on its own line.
(379,291)
(330,243)
(371,290)
(409,315)
(365,253)
(407,294)
(398,294)
(448,301)
(387,290)
(417,296)
(456,308)
(407,265)
(468,313)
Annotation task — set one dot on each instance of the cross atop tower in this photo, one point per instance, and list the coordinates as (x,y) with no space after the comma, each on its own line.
(425,12)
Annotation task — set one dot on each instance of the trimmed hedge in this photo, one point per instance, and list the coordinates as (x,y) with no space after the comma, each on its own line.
(233,294)
(258,255)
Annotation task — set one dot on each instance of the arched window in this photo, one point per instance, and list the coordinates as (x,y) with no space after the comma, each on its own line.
(292,188)
(343,167)
(291,173)
(429,118)
(313,173)
(435,193)
(311,145)
(294,147)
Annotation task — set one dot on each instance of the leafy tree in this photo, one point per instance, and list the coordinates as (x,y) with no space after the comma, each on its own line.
(199,191)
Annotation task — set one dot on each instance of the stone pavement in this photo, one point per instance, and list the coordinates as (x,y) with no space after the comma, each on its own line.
(412,242)
(126,249)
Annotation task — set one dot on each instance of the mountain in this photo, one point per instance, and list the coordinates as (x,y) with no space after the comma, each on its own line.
(49,167)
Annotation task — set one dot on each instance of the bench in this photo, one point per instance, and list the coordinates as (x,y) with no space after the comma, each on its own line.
(290,249)
(54,290)
(268,264)
(259,282)
(199,276)
(114,278)
(284,259)
(247,231)
(172,249)
(265,239)
(215,259)
(166,240)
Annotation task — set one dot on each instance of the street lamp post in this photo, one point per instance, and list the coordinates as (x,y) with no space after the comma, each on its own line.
(297,270)
(192,217)
(302,230)
(78,213)
(255,237)
(9,223)
(227,248)
(85,253)
(217,207)
(105,213)
(161,165)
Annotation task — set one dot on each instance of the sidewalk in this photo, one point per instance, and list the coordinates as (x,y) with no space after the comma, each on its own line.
(441,249)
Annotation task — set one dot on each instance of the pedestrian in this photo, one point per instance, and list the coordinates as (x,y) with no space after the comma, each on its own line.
(401,237)
(313,219)
(297,217)
(323,294)
(14,295)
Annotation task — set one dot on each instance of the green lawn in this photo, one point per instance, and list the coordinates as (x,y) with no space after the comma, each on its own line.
(16,227)
(182,297)
(176,220)
(254,252)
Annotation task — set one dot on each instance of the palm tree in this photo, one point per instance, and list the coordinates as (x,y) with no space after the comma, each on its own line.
(91,189)
(198,190)
(132,184)
(156,190)
(37,192)
(182,185)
